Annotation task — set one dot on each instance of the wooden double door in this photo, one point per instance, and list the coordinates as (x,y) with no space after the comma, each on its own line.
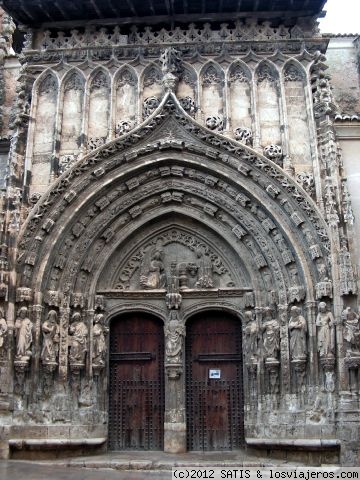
(214,400)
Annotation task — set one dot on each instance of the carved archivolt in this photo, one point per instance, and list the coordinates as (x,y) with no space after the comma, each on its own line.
(228,191)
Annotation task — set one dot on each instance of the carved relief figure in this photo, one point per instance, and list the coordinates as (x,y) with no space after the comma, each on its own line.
(174,337)
(78,332)
(171,61)
(50,330)
(3,328)
(23,329)
(251,334)
(297,329)
(271,335)
(156,277)
(205,271)
(99,344)
(351,330)
(325,333)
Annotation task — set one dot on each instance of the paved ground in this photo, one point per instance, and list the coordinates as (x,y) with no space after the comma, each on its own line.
(18,470)
(124,465)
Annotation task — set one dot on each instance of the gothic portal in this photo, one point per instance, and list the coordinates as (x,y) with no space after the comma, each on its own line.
(177,267)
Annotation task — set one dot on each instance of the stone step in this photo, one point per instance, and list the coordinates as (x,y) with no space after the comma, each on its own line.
(160,461)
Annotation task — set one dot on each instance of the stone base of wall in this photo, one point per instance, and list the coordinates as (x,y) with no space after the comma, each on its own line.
(310,452)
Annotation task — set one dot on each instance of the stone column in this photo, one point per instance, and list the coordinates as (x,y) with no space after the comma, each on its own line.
(175,419)
(312,345)
(284,349)
(63,350)
(36,317)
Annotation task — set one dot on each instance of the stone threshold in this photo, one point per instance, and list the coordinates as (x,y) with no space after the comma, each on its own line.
(298,443)
(54,443)
(161,461)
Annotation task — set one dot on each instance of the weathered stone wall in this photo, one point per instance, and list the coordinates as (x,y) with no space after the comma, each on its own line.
(344,68)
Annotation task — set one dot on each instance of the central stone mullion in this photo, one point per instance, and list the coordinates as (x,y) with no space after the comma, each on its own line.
(175,416)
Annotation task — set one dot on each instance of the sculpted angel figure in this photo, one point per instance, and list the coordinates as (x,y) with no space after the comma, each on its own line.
(297,328)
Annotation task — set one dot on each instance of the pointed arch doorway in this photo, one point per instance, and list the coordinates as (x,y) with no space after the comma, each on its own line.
(214,382)
(136,400)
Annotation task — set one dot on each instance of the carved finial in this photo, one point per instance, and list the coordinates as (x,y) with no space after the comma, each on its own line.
(171,67)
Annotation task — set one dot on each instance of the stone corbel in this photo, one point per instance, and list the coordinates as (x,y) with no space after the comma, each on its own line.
(174,370)
(272,368)
(328,365)
(299,369)
(23,294)
(20,366)
(252,372)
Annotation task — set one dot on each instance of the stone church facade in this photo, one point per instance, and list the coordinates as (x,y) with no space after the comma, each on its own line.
(178,247)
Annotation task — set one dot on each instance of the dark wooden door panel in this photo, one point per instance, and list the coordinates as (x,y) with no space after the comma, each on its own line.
(136,404)
(214,405)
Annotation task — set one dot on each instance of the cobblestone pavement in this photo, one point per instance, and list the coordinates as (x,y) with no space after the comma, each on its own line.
(18,470)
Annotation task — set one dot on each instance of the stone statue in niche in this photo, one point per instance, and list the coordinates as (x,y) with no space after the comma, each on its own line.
(24,337)
(174,338)
(297,329)
(3,329)
(99,343)
(351,331)
(270,335)
(251,334)
(171,67)
(326,331)
(205,270)
(170,60)
(153,275)
(51,331)
(78,332)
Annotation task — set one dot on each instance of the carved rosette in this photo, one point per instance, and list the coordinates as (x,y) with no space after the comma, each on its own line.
(150,105)
(244,135)
(274,153)
(123,127)
(216,123)
(188,104)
